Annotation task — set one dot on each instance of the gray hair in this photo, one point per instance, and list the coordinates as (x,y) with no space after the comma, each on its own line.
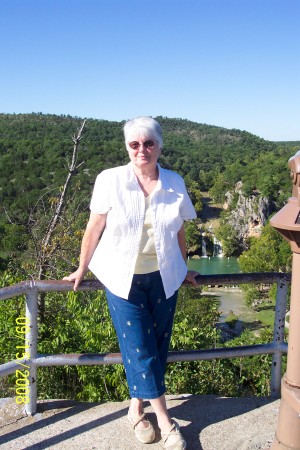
(145,125)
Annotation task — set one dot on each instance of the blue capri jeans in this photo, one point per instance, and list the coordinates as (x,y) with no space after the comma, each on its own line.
(143,324)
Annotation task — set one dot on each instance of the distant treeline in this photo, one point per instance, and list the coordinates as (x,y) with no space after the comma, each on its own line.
(35,150)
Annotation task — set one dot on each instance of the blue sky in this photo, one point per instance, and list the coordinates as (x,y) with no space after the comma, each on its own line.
(230,63)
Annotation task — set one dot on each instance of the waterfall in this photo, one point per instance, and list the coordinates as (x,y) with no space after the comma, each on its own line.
(204,254)
(218,251)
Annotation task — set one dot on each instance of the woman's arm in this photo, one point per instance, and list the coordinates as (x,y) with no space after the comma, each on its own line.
(182,242)
(190,276)
(94,229)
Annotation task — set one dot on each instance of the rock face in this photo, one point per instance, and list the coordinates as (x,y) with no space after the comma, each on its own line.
(247,215)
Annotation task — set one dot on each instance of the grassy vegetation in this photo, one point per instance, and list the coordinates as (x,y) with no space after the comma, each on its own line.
(266,312)
(231,319)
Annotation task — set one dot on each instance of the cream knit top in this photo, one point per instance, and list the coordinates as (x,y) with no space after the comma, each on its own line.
(146,259)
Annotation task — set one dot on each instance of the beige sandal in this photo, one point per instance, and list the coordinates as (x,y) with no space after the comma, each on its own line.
(144,435)
(179,444)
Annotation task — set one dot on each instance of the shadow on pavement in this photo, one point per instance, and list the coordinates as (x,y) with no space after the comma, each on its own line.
(198,411)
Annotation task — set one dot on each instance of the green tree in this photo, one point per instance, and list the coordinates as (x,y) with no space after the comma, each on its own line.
(268,253)
(220,187)
(229,237)
(194,193)
(192,236)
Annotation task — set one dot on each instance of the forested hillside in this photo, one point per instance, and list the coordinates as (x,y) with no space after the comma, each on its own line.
(35,159)
(35,150)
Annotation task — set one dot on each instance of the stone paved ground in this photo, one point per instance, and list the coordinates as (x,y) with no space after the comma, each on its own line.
(208,423)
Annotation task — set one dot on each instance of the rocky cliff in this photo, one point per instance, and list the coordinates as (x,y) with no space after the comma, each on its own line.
(247,215)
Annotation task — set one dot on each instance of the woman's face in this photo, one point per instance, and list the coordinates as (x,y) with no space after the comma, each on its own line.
(143,150)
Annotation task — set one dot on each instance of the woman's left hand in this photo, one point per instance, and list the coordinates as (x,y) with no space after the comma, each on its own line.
(191,277)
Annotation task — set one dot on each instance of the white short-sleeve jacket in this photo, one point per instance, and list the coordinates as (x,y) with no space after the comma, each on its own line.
(118,194)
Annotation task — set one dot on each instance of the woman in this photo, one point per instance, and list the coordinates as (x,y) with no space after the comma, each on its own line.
(138,210)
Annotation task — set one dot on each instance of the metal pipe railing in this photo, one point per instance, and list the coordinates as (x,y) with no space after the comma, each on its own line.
(31,340)
(278,336)
(34,360)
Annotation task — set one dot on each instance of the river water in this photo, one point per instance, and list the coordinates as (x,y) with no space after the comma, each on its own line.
(231,299)
(214,265)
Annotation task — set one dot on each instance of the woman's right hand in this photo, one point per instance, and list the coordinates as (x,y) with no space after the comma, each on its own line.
(77,277)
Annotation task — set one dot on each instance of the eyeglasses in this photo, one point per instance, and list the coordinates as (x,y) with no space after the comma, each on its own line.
(147,144)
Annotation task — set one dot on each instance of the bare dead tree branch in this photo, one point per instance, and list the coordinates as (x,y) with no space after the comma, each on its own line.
(45,250)
(7,216)
(60,204)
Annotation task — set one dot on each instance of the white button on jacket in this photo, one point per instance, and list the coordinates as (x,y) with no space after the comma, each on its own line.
(118,194)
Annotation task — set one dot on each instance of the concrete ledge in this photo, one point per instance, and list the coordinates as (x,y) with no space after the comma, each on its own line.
(208,423)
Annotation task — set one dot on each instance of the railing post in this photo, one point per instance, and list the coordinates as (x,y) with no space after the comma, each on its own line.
(278,337)
(31,339)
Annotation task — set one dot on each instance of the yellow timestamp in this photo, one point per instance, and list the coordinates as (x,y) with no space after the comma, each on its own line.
(22,375)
